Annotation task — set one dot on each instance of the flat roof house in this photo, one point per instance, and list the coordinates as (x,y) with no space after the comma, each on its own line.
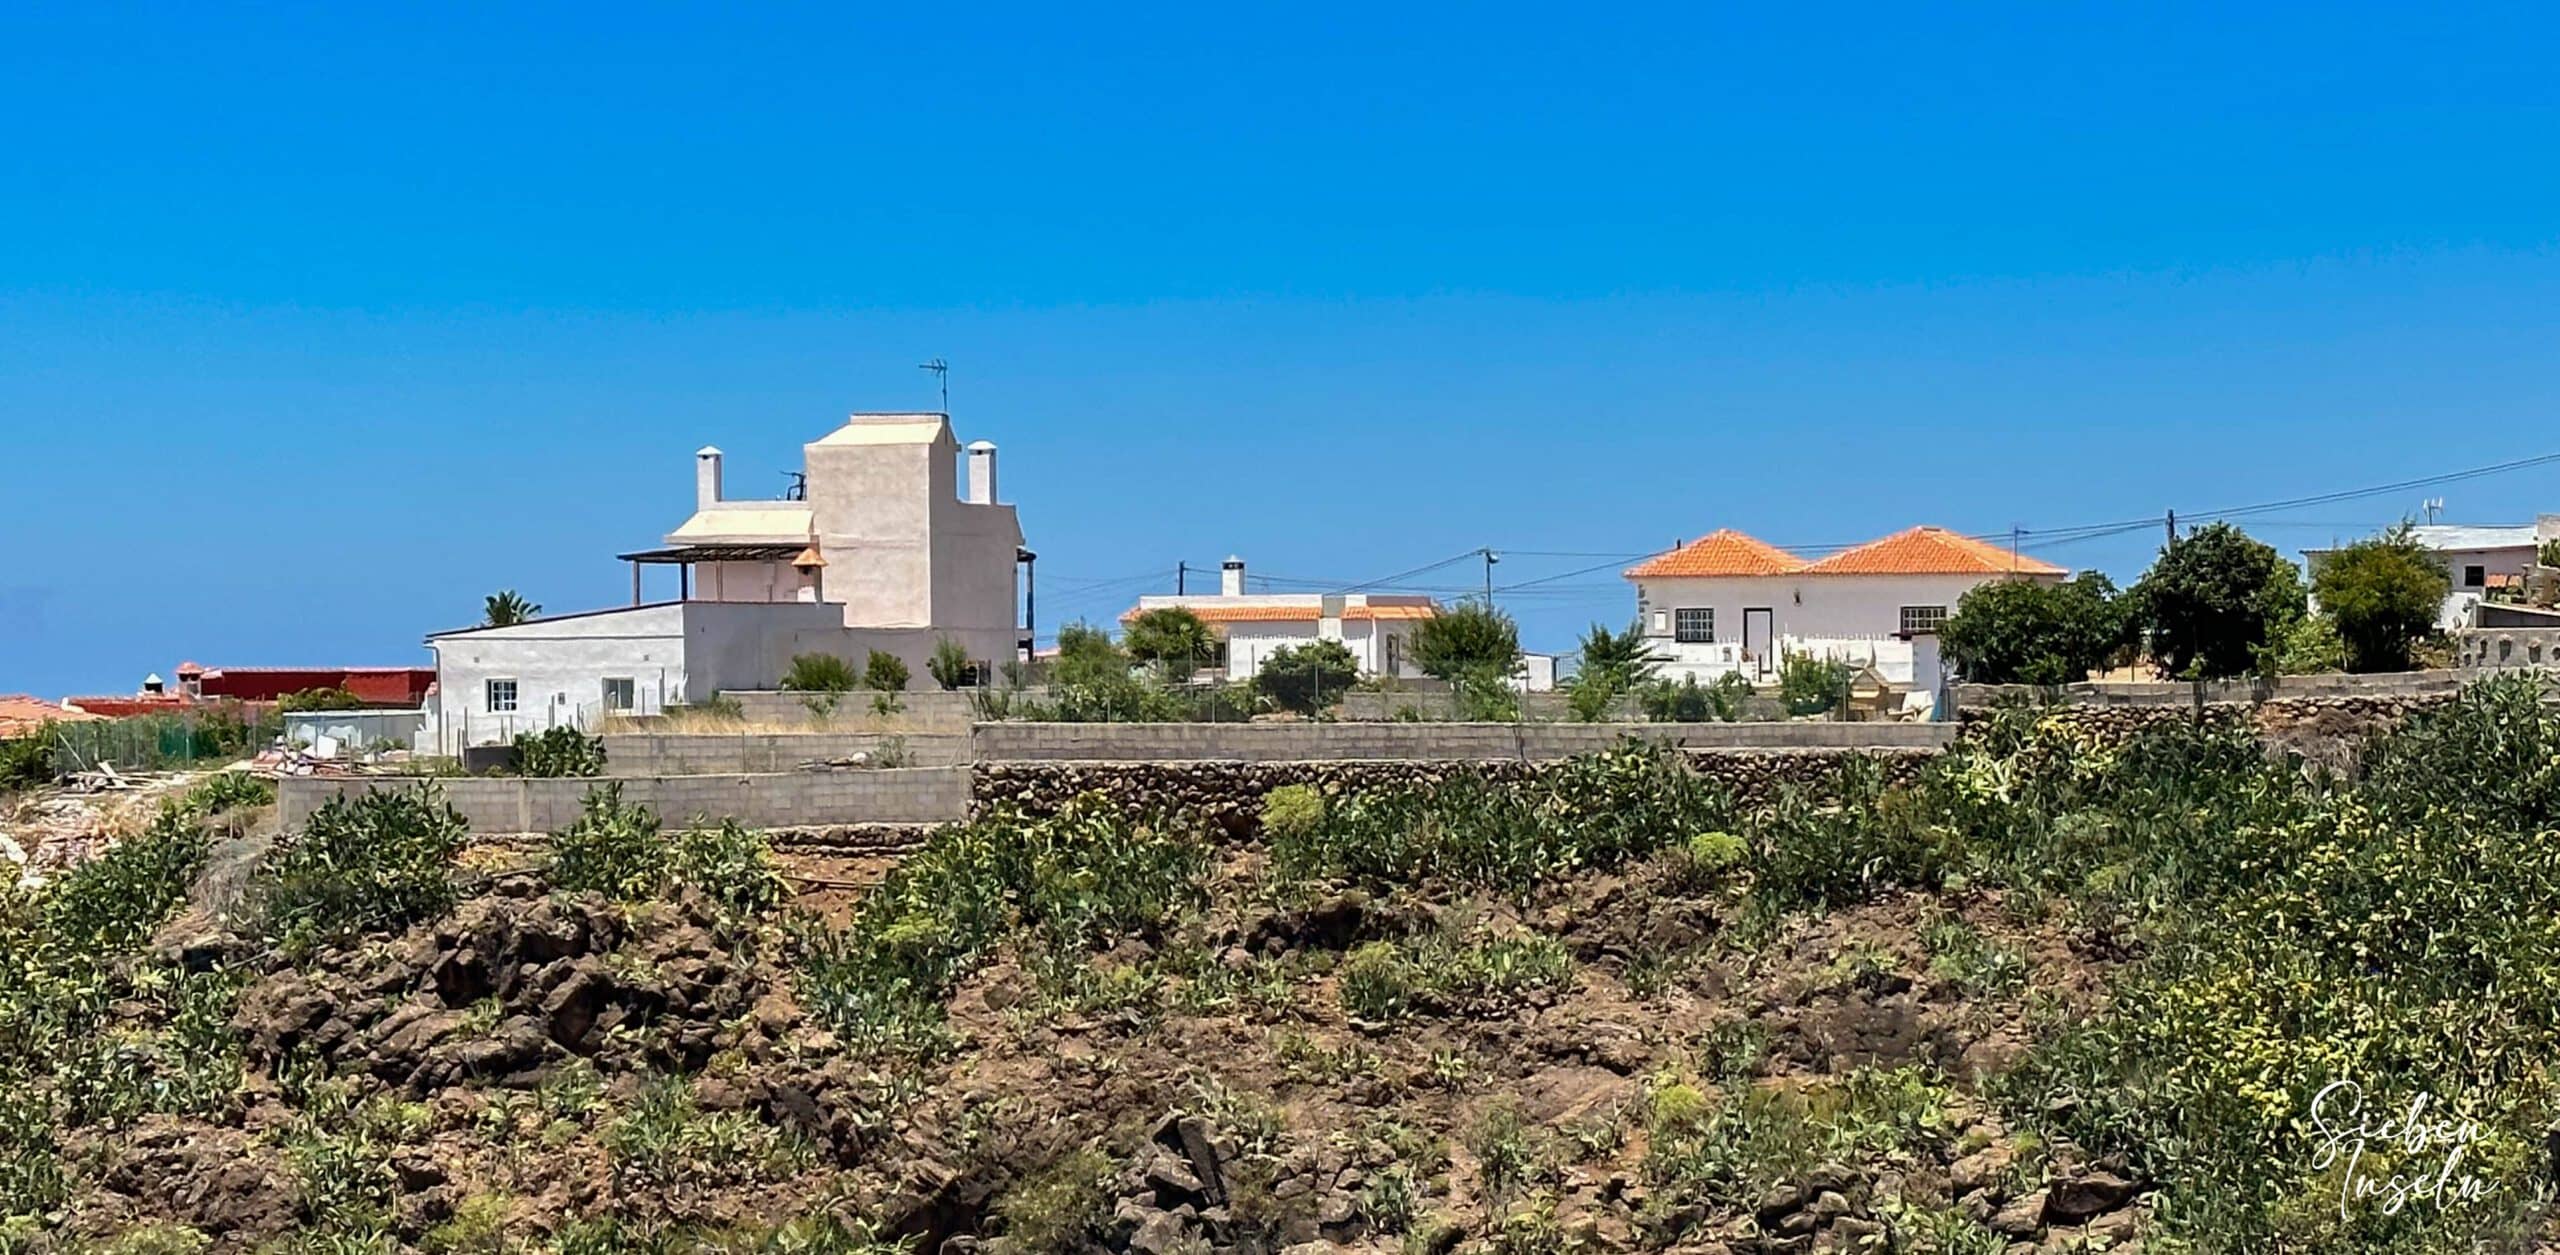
(2480,560)
(1729,602)
(883,547)
(1376,627)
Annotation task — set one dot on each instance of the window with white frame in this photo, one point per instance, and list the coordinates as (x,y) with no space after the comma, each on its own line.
(502,697)
(1694,625)
(1923,618)
(620,693)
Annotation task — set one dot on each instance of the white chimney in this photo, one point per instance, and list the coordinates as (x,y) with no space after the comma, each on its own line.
(706,477)
(982,472)
(1231,577)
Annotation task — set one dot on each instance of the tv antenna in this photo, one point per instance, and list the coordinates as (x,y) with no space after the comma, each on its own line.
(942,374)
(2434,506)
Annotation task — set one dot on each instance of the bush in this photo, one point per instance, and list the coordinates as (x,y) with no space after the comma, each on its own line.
(26,760)
(1613,663)
(1292,811)
(1811,686)
(1087,656)
(319,699)
(612,849)
(1469,637)
(1727,700)
(819,673)
(2310,647)
(950,666)
(2383,593)
(2017,631)
(558,752)
(377,861)
(1307,678)
(884,672)
(2214,601)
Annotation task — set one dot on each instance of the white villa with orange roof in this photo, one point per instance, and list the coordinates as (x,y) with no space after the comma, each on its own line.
(1377,628)
(1728,602)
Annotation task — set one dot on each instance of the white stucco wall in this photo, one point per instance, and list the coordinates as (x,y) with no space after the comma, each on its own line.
(903,550)
(2513,560)
(1853,618)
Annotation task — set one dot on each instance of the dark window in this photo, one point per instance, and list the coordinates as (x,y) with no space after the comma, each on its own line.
(2474,576)
(1694,625)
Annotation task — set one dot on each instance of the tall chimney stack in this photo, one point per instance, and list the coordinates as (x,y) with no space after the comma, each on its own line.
(1231,577)
(982,472)
(706,477)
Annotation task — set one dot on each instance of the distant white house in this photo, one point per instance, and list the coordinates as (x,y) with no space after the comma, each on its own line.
(1730,603)
(1377,628)
(882,549)
(2478,560)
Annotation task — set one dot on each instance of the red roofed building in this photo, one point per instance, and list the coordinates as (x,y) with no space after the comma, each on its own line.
(403,688)
(1728,602)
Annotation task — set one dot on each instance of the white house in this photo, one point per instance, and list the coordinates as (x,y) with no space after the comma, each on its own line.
(881,549)
(1727,602)
(1377,628)
(2477,559)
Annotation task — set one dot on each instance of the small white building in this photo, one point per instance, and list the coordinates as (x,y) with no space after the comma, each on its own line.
(1377,628)
(883,549)
(2478,559)
(1732,603)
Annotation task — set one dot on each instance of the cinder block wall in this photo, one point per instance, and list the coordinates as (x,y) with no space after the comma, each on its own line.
(915,795)
(1415,742)
(709,753)
(926,711)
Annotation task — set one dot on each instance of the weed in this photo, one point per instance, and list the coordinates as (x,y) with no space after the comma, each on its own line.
(374,862)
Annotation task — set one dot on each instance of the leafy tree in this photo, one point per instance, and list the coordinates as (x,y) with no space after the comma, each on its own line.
(2311,647)
(2383,592)
(819,673)
(1612,663)
(1307,678)
(1087,656)
(950,666)
(1171,637)
(2214,600)
(884,671)
(2023,632)
(1810,686)
(504,607)
(1470,637)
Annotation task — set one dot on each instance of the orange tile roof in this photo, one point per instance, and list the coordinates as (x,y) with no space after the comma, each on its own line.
(1295,614)
(20,713)
(1929,551)
(1723,552)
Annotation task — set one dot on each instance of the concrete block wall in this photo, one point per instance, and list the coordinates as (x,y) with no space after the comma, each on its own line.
(1415,742)
(712,753)
(915,795)
(924,711)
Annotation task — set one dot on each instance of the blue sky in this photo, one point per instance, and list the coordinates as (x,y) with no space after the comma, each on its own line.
(317,325)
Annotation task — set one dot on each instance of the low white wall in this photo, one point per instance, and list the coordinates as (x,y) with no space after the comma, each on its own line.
(511,804)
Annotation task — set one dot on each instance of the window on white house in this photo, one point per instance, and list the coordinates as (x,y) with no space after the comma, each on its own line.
(1694,625)
(502,697)
(1395,654)
(1662,623)
(1923,618)
(2474,576)
(620,693)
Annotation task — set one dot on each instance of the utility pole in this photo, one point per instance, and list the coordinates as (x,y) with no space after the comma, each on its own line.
(1490,557)
(2172,519)
(942,374)
(1181,570)
(2013,548)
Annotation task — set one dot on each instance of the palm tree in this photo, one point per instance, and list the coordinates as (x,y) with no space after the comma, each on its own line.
(1172,637)
(1624,656)
(505,607)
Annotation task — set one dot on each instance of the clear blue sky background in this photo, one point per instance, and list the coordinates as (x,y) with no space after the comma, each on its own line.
(318,325)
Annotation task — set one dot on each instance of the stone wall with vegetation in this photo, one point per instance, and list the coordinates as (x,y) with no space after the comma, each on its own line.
(1416,742)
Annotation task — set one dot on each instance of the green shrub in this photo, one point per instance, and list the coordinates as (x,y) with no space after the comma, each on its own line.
(1811,686)
(884,672)
(558,752)
(612,849)
(1307,678)
(377,861)
(1468,637)
(819,673)
(26,760)
(337,698)
(950,666)
(1292,811)
(733,866)
(227,791)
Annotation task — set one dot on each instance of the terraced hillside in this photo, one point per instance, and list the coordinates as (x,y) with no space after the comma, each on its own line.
(2062,988)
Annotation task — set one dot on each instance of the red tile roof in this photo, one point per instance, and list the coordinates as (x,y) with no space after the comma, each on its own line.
(1929,551)
(1724,552)
(20,714)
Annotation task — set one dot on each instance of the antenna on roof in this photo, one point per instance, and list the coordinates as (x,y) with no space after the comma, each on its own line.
(2434,506)
(942,373)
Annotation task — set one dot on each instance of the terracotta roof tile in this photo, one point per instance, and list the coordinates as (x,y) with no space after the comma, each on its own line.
(1723,552)
(1929,551)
